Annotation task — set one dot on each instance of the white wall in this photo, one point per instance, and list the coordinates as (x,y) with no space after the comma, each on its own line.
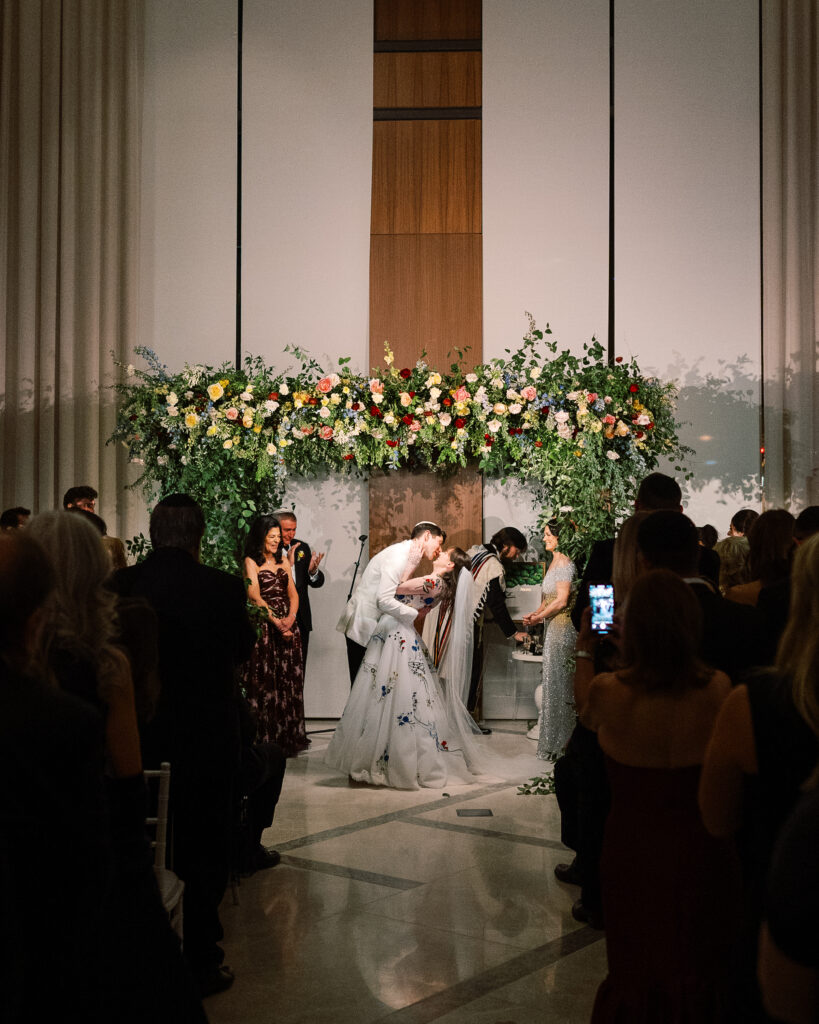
(687,210)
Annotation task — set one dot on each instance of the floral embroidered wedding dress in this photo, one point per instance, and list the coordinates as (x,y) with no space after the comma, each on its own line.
(399,729)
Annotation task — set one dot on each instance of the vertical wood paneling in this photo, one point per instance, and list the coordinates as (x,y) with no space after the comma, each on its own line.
(426,294)
(426,177)
(400,500)
(427,19)
(426,277)
(427,80)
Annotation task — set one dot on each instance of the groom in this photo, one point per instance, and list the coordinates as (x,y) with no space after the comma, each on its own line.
(375,592)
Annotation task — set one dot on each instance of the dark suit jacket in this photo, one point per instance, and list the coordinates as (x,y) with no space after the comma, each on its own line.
(301,575)
(204,635)
(732,637)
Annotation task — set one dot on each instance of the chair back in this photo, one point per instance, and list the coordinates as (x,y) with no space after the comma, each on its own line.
(160,822)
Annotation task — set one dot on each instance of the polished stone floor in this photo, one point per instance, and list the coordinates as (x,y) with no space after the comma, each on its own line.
(390,906)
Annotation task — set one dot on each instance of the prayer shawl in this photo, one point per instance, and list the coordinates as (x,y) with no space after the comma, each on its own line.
(486,566)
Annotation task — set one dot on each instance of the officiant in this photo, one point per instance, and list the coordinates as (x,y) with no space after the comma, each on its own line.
(306,573)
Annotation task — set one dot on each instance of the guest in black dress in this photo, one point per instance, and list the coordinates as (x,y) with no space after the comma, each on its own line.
(669,889)
(274,676)
(763,749)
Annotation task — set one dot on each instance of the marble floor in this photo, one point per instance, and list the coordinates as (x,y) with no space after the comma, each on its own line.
(393,906)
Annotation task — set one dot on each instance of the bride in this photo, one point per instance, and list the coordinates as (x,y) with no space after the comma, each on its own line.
(400,728)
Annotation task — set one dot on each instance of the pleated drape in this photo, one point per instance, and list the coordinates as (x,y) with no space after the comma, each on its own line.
(790,232)
(70,120)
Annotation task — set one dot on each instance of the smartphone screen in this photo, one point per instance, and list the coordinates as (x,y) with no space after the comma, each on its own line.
(601,600)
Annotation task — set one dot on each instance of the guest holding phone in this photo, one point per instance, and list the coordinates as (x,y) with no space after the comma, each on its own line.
(557,716)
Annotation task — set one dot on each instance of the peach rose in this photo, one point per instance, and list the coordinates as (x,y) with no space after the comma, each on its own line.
(529,393)
(325,433)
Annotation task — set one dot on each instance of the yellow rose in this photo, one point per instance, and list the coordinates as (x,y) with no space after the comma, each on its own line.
(215,392)
(191,419)
(257,429)
(228,444)
(213,430)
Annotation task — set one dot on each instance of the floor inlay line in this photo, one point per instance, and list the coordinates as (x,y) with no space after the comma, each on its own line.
(433,1007)
(342,871)
(383,819)
(473,830)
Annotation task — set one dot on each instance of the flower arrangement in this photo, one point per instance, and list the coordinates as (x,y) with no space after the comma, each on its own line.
(582,432)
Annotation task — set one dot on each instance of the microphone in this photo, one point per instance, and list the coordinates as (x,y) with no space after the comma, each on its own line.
(363,537)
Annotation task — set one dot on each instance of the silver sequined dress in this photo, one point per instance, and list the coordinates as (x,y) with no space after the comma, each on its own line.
(557,706)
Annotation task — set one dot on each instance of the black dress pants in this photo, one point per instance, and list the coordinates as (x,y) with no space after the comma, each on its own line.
(355,655)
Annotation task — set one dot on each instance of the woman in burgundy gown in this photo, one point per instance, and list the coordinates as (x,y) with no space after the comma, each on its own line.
(274,675)
(670,890)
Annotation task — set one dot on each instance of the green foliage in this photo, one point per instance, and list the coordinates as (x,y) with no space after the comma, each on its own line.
(540,785)
(581,433)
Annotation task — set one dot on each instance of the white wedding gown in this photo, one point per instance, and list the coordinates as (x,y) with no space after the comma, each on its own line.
(398,728)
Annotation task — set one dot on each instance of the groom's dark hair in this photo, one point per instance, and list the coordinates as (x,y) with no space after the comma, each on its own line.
(421,528)
(506,536)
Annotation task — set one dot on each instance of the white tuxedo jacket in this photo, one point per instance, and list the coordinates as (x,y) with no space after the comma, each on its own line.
(375,594)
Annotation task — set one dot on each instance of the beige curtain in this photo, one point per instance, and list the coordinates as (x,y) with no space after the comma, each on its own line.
(70,112)
(790,233)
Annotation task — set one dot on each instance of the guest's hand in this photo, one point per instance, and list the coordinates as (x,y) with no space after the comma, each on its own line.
(291,554)
(315,561)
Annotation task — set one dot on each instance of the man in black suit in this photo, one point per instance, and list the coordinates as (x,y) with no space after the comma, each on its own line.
(306,573)
(204,635)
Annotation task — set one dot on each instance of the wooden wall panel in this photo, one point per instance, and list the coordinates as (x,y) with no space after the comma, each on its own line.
(420,80)
(426,177)
(426,292)
(399,500)
(427,19)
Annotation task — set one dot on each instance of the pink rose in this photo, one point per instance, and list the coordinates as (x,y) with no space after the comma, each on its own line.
(376,386)
(529,393)
(324,385)
(591,397)
(609,418)
(325,433)
(415,426)
(232,414)
(461,395)
(307,431)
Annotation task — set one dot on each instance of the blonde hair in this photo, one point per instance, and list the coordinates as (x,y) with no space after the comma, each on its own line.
(733,562)
(626,566)
(798,654)
(81,611)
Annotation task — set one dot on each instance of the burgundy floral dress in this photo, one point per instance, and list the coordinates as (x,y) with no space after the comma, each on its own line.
(274,675)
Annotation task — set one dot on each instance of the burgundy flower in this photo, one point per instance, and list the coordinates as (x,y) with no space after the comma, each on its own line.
(355,406)
(460,422)
(406,374)
(392,443)
(633,389)
(619,359)
(407,419)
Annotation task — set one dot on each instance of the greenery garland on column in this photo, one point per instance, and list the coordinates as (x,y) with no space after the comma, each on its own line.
(581,433)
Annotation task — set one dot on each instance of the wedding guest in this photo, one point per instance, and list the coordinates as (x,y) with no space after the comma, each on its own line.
(708,535)
(733,562)
(14,518)
(741,522)
(306,573)
(669,896)
(374,594)
(761,752)
(80,644)
(489,574)
(204,636)
(788,948)
(274,675)
(83,496)
(51,758)
(771,545)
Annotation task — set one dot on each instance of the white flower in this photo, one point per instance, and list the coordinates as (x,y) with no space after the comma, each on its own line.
(471,378)
(535,372)
(494,426)
(496,382)
(377,398)
(184,460)
(246,396)
(511,394)
(284,389)
(573,396)
(453,444)
(138,462)
(561,416)
(324,412)
(515,408)
(435,393)
(389,419)
(130,369)
(612,455)
(162,460)
(172,399)
(270,406)
(444,418)
(271,449)
(566,508)
(643,420)
(172,410)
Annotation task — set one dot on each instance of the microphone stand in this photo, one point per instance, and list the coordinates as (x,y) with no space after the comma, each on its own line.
(362,538)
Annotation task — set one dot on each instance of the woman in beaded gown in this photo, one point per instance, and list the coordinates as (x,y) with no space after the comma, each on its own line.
(274,675)
(399,728)
(557,716)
